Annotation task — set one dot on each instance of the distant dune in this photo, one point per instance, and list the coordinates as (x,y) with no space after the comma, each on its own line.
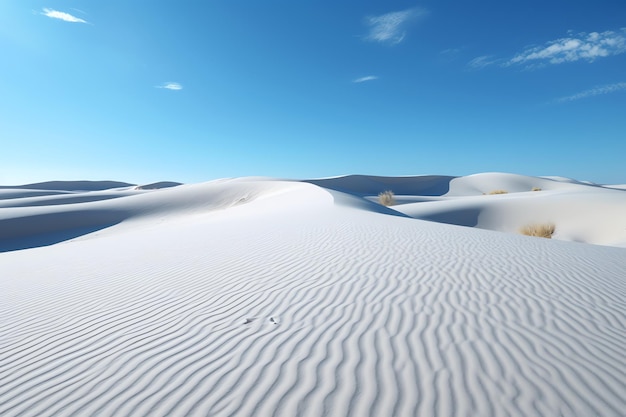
(257,296)
(157,185)
(71,185)
(363,185)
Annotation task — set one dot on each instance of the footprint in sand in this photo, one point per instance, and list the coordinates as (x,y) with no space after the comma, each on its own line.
(249,320)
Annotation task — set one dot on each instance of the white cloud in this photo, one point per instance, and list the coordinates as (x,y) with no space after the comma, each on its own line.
(364,79)
(450,51)
(66,17)
(583,46)
(605,89)
(390,27)
(170,86)
(482,62)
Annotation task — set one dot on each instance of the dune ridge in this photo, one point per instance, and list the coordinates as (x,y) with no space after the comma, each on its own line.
(71,185)
(266,297)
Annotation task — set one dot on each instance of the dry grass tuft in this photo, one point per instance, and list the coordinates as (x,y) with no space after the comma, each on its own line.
(540,230)
(498,192)
(536,189)
(386,198)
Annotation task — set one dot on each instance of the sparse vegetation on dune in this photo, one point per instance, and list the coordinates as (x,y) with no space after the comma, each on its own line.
(536,189)
(498,192)
(540,230)
(387,198)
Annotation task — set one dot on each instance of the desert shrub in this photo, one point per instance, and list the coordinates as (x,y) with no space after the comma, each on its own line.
(386,198)
(498,192)
(536,189)
(540,230)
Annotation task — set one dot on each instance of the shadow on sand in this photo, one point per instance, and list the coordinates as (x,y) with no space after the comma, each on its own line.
(462,217)
(369,185)
(50,228)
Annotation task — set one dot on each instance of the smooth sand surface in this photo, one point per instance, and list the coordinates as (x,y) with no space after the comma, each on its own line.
(263,297)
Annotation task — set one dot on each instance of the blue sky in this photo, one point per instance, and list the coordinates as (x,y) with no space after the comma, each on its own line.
(190,91)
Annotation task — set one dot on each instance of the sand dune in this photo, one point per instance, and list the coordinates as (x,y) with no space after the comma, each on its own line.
(158,185)
(363,185)
(71,185)
(581,212)
(263,297)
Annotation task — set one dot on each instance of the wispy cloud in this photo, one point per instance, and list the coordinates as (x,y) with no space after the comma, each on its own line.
(66,17)
(364,79)
(390,27)
(482,62)
(170,86)
(579,47)
(583,46)
(449,55)
(450,51)
(597,91)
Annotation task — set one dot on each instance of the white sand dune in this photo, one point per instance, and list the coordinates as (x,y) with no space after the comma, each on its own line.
(264,297)
(581,212)
(71,185)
